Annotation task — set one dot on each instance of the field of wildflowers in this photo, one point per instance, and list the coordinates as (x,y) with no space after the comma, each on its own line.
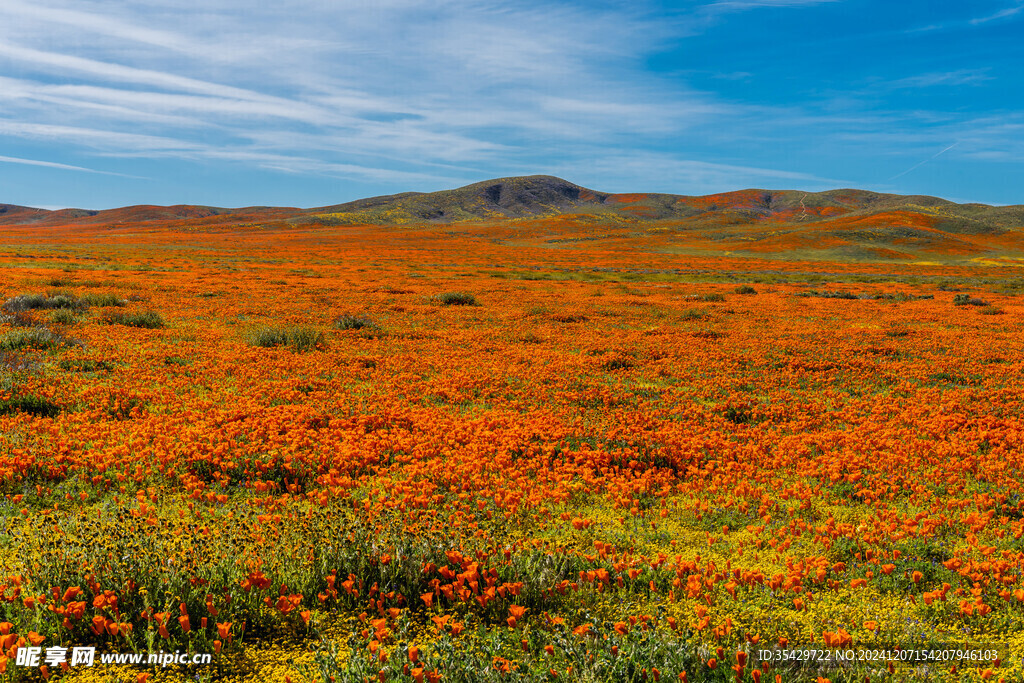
(405,454)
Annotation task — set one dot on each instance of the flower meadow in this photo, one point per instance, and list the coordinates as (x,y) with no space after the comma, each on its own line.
(470,454)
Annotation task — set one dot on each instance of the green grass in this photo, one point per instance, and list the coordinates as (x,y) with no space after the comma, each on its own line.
(297,338)
(35,338)
(103,300)
(63,316)
(353,322)
(30,405)
(25,302)
(150,320)
(456,299)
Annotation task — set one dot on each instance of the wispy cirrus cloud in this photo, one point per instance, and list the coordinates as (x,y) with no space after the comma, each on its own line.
(1004,13)
(51,164)
(954,78)
(736,5)
(423,94)
(631,173)
(423,83)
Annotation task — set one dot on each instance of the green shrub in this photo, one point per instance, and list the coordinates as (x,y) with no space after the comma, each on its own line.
(304,338)
(150,320)
(266,337)
(738,415)
(353,322)
(832,294)
(617,363)
(745,289)
(968,300)
(713,297)
(297,338)
(25,302)
(31,405)
(692,314)
(456,299)
(63,301)
(63,316)
(35,338)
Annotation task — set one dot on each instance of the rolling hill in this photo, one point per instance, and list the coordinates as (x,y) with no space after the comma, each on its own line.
(539,196)
(844,223)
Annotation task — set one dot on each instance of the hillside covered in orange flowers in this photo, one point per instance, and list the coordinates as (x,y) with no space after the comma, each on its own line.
(837,225)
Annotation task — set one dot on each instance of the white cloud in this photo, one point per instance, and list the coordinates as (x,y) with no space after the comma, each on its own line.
(724,6)
(954,78)
(1001,14)
(414,84)
(52,164)
(406,91)
(684,176)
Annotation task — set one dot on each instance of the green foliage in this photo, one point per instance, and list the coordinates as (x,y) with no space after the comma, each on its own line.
(830,294)
(456,299)
(738,415)
(304,338)
(266,337)
(693,314)
(25,302)
(103,300)
(149,320)
(968,300)
(745,289)
(35,338)
(30,405)
(63,316)
(617,363)
(951,378)
(353,322)
(296,338)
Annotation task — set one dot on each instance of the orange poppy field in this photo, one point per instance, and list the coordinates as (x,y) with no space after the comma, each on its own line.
(524,450)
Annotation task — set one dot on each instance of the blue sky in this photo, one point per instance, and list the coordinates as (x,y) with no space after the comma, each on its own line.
(314,102)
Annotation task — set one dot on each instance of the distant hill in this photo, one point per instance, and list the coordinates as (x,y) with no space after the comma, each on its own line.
(540,196)
(23,215)
(844,224)
(10,213)
(519,197)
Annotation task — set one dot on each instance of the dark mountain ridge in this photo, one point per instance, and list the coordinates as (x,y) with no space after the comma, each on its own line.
(540,196)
